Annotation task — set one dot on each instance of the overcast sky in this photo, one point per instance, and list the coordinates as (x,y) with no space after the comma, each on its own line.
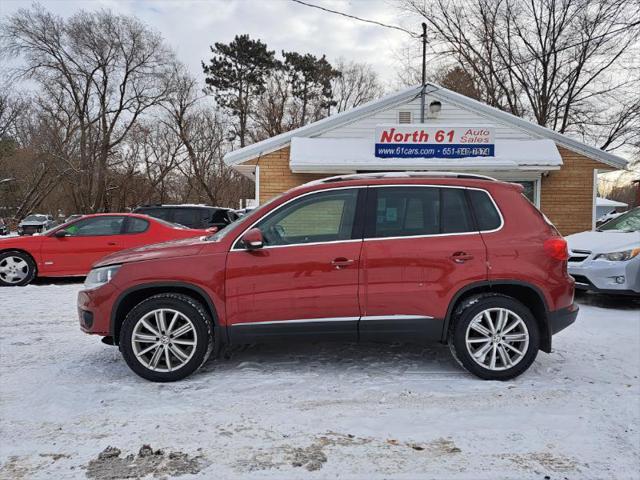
(191,26)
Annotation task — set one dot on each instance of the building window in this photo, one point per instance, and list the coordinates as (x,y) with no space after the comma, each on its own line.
(404,117)
(530,187)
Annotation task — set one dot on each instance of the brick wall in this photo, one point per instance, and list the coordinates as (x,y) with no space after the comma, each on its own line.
(566,194)
(275,175)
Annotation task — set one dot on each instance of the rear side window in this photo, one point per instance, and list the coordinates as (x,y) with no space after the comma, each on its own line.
(455,212)
(411,211)
(406,211)
(137,225)
(189,217)
(219,217)
(162,213)
(484,209)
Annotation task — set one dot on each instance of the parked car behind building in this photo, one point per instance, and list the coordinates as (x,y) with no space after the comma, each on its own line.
(191,216)
(35,223)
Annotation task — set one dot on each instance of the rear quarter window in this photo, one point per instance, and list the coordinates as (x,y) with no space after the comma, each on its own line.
(487,216)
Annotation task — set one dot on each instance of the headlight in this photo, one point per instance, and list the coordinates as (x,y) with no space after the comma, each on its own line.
(100,276)
(619,256)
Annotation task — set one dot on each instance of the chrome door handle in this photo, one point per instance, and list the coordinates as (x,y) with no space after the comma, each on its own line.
(461,257)
(341,262)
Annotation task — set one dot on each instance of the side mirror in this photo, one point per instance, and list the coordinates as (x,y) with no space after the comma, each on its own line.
(253,239)
(61,233)
(212,230)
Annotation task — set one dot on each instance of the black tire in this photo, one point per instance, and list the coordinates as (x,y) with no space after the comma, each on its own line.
(30,266)
(194,311)
(467,311)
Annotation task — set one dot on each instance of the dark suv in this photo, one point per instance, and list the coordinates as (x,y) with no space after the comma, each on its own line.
(459,259)
(191,216)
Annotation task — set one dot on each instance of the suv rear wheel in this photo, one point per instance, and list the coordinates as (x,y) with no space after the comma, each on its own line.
(494,336)
(166,337)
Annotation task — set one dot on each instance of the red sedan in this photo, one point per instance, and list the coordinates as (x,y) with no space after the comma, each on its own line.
(70,249)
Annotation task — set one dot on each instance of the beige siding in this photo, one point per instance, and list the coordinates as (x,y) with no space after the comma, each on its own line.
(450,115)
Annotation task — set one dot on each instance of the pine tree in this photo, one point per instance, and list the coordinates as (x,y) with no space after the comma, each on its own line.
(236,74)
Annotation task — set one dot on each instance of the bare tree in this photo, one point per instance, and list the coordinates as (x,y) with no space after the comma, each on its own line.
(105,69)
(203,142)
(552,61)
(357,84)
(272,114)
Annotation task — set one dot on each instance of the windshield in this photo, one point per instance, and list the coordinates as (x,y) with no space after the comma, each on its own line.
(35,218)
(627,222)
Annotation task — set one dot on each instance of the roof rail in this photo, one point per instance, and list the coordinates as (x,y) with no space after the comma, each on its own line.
(408,174)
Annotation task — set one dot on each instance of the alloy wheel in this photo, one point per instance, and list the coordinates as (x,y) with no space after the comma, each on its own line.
(164,340)
(13,269)
(497,339)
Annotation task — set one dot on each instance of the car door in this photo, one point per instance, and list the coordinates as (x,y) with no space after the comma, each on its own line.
(87,241)
(420,247)
(304,281)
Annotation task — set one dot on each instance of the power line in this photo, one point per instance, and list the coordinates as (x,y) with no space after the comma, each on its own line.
(360,19)
(415,35)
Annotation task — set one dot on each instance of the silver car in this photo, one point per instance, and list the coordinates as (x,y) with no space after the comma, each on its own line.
(608,259)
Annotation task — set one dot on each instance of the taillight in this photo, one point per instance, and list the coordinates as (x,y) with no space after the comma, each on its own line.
(557,248)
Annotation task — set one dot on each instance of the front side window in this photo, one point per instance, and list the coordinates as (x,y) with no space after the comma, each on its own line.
(319,217)
(415,211)
(96,226)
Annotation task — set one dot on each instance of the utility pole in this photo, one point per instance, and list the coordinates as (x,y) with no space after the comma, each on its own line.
(424,70)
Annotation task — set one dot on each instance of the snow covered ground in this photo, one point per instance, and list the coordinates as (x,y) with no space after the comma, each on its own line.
(315,411)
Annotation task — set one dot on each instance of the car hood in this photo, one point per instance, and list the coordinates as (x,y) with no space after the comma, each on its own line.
(175,248)
(604,242)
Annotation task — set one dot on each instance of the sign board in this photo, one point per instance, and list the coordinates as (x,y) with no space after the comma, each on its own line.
(422,141)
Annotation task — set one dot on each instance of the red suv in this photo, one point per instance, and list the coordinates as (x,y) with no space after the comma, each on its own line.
(460,259)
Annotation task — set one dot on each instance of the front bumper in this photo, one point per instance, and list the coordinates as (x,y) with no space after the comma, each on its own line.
(94,309)
(605,276)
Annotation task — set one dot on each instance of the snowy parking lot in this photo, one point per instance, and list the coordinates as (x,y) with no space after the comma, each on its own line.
(315,411)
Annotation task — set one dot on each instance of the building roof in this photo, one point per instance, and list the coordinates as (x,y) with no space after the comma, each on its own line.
(316,128)
(605,202)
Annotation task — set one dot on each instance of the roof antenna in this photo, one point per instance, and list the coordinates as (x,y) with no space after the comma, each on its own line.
(424,70)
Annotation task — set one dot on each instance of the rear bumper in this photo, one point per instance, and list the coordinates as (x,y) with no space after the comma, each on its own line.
(562,318)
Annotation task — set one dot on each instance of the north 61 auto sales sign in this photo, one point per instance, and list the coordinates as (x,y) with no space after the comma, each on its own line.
(420,141)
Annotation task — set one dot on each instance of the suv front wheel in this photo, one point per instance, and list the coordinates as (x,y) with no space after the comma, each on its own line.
(166,337)
(494,336)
